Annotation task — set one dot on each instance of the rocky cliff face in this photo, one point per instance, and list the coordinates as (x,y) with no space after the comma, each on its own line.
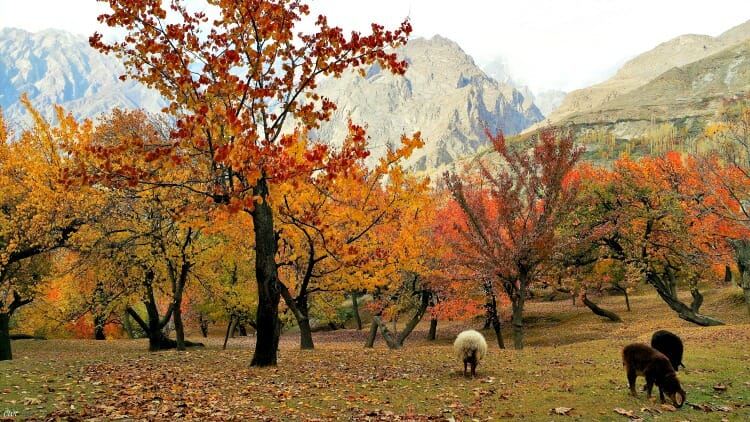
(56,67)
(443,94)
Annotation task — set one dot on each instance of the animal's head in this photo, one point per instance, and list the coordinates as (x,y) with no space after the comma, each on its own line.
(672,389)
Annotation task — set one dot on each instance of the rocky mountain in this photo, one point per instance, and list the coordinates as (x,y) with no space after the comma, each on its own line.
(443,94)
(56,67)
(681,78)
(546,101)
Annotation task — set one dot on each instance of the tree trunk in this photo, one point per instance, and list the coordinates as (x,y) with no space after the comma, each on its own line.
(493,320)
(230,327)
(425,296)
(6,352)
(179,288)
(432,334)
(156,338)
(355,311)
(627,300)
(688,313)
(301,312)
(390,340)
(203,324)
(305,335)
(742,253)
(600,311)
(517,303)
(99,322)
(371,337)
(266,275)
(179,329)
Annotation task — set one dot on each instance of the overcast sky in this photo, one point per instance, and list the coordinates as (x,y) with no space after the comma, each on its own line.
(561,44)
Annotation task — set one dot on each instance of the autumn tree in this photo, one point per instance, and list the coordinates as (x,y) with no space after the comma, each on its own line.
(725,167)
(225,289)
(234,81)
(513,214)
(37,213)
(648,215)
(464,288)
(406,268)
(333,227)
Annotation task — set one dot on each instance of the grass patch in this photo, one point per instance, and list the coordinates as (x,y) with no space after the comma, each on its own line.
(570,368)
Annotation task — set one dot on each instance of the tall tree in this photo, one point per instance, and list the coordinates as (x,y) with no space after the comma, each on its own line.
(233,81)
(514,209)
(37,212)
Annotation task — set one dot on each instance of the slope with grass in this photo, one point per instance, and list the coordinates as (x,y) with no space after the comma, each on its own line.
(571,367)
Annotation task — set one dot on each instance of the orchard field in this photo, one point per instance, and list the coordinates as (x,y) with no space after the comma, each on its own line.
(570,369)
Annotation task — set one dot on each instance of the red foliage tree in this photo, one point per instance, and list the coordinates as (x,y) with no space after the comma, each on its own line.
(513,212)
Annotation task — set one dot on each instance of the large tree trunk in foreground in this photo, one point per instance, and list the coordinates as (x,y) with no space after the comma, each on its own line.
(267,277)
(6,352)
(601,311)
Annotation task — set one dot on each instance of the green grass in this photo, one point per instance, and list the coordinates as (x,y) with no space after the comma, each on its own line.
(571,361)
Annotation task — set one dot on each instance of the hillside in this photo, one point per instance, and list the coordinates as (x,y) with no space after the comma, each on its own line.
(693,90)
(643,69)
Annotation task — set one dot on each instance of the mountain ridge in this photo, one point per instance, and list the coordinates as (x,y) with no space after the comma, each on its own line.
(55,67)
(443,94)
(635,78)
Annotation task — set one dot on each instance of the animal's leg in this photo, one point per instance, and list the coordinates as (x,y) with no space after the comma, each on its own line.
(649,386)
(631,381)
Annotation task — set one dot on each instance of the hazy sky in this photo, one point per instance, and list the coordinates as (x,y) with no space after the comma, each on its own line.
(562,44)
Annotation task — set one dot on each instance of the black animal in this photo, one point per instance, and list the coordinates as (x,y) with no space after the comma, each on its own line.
(642,359)
(669,344)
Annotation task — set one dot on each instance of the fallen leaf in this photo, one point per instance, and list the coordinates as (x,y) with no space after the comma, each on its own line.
(668,407)
(701,406)
(629,413)
(29,401)
(561,410)
(720,387)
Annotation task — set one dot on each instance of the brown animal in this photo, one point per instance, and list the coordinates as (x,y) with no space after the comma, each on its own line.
(642,359)
(671,345)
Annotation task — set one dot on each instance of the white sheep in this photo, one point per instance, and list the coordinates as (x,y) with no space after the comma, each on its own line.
(470,347)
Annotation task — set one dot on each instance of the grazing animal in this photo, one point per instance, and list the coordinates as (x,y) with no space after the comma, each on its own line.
(470,347)
(669,344)
(642,359)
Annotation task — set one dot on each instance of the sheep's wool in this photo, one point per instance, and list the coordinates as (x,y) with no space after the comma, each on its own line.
(467,342)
